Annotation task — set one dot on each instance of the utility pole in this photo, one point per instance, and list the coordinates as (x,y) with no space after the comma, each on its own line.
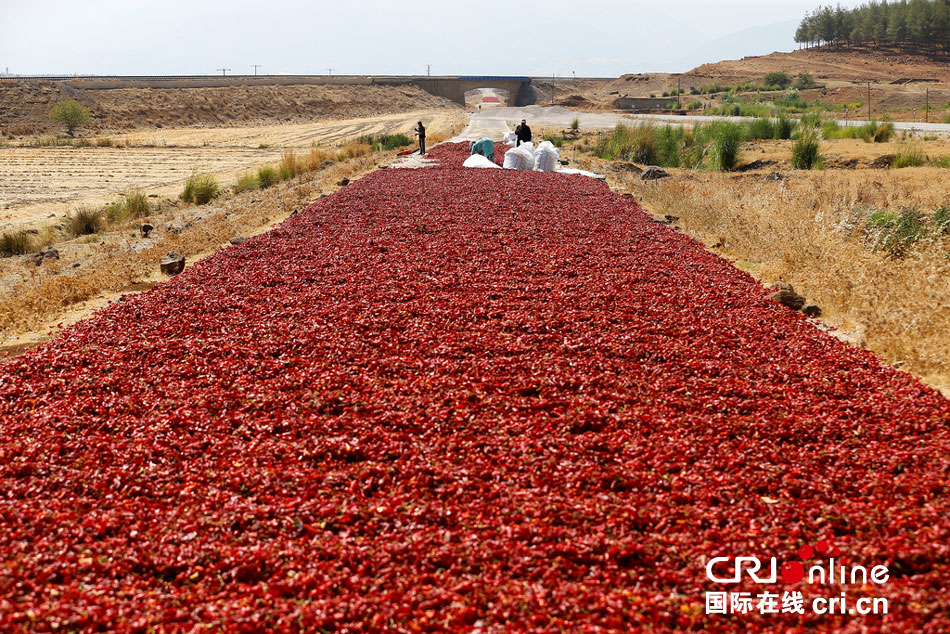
(552,89)
(869,102)
(224,71)
(428,70)
(928,106)
(255,66)
(330,72)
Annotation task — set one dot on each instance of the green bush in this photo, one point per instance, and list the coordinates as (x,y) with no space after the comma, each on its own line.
(805,151)
(85,221)
(575,123)
(16,242)
(777,78)
(200,188)
(247,182)
(557,141)
(940,221)
(909,155)
(267,176)
(70,113)
(760,128)
(721,140)
(694,105)
(669,145)
(804,80)
(385,141)
(896,233)
(630,143)
(784,128)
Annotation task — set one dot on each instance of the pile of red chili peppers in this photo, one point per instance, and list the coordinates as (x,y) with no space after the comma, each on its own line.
(464,401)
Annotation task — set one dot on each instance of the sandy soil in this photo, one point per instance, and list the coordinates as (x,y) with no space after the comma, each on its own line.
(38,182)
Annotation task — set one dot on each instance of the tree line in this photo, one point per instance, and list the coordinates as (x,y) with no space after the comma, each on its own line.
(924,24)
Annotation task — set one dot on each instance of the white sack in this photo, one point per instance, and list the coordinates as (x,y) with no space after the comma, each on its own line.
(477,160)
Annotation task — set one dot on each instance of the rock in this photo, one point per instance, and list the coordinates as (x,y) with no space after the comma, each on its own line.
(775,176)
(35,258)
(50,253)
(628,167)
(782,286)
(789,298)
(173,263)
(653,172)
(326,164)
(811,310)
(343,182)
(883,162)
(147,229)
(565,161)
(238,239)
(627,195)
(671,218)
(661,220)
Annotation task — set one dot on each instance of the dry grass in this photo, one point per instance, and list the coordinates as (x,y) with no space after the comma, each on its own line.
(46,292)
(809,230)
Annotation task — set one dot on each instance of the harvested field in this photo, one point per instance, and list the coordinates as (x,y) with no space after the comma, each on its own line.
(37,182)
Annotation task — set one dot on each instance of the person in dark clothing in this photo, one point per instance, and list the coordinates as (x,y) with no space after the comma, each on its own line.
(523,132)
(421,131)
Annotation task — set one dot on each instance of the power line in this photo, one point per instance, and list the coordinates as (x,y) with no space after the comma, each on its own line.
(256,66)
(224,71)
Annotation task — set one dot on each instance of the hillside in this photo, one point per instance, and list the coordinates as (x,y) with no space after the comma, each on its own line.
(24,106)
(833,63)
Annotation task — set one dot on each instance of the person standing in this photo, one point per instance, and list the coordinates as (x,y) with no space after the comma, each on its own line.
(523,132)
(421,131)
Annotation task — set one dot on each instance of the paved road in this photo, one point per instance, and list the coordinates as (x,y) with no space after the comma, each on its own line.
(494,121)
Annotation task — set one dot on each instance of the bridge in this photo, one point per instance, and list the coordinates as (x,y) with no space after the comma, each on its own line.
(452,87)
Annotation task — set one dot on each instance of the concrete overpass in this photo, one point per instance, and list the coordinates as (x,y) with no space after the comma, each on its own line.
(519,89)
(453,87)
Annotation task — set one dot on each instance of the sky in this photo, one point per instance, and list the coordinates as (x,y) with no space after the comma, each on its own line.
(586,38)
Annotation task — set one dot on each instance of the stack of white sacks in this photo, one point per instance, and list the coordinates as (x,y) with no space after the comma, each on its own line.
(543,158)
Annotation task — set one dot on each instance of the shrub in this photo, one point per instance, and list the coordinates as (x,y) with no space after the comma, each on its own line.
(804,80)
(70,113)
(669,144)
(875,132)
(105,142)
(16,242)
(267,176)
(85,221)
(200,188)
(940,221)
(247,182)
(575,123)
(289,165)
(777,78)
(630,143)
(761,128)
(783,128)
(896,233)
(137,205)
(943,161)
(379,142)
(909,155)
(805,151)
(694,105)
(725,145)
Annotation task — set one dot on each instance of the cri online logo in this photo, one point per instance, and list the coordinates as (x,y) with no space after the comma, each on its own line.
(794,571)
